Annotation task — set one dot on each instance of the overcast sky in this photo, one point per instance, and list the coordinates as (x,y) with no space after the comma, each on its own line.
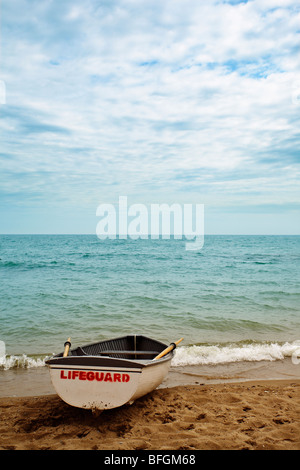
(162,101)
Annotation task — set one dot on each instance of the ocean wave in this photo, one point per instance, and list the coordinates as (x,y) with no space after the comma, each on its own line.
(216,354)
(21,362)
(189,355)
(31,265)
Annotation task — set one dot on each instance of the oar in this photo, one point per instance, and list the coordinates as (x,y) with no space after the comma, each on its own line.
(168,349)
(67,346)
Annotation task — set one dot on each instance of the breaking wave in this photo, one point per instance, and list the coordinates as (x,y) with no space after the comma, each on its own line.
(21,362)
(216,354)
(189,355)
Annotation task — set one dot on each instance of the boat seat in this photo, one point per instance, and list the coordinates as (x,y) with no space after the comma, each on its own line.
(125,354)
(131,353)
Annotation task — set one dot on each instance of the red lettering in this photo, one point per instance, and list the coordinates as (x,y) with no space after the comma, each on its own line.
(99,376)
(90,375)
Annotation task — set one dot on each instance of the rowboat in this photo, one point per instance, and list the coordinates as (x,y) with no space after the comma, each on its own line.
(110,373)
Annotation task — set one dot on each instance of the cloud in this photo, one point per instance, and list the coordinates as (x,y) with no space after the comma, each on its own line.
(150,99)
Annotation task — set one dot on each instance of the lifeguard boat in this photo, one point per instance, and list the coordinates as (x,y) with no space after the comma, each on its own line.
(110,373)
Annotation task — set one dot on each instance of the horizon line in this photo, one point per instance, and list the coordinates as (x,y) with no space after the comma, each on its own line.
(160,236)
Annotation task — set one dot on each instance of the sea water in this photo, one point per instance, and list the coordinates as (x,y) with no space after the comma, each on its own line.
(237,299)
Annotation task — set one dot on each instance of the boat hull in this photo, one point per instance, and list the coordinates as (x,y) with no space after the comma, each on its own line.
(110,373)
(106,386)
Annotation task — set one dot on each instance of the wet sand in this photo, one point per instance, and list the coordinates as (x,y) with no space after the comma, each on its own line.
(36,381)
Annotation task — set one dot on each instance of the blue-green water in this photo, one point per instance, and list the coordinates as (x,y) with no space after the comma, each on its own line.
(239,297)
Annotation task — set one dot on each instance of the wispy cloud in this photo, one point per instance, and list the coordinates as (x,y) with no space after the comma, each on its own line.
(151,99)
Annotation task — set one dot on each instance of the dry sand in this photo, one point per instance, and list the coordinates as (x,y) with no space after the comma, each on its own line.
(248,415)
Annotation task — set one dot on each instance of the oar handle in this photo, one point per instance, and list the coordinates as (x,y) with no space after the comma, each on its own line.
(67,346)
(168,349)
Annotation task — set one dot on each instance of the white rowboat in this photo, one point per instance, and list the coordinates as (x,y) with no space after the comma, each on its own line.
(110,373)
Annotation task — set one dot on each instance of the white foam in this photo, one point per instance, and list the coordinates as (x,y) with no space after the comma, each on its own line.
(189,355)
(194,355)
(20,362)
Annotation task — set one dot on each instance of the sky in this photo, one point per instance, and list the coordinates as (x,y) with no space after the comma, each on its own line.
(174,101)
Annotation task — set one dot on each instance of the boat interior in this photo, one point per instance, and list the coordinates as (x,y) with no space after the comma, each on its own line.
(134,347)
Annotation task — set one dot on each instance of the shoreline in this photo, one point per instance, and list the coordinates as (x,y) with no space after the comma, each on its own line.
(36,381)
(252,415)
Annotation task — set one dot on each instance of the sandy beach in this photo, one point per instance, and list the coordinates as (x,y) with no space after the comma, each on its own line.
(254,415)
